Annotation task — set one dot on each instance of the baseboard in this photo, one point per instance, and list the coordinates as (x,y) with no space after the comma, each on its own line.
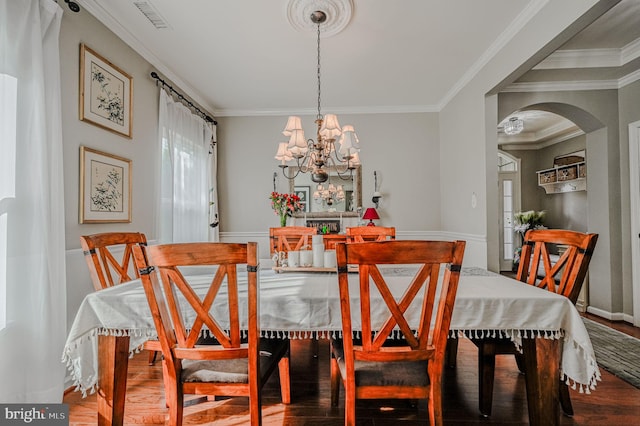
(611,316)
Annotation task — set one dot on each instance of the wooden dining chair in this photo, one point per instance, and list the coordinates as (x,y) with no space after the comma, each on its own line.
(397,357)
(565,276)
(232,365)
(359,234)
(107,268)
(290,238)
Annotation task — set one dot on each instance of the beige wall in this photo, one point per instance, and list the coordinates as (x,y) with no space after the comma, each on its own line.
(468,121)
(402,148)
(140,149)
(629,110)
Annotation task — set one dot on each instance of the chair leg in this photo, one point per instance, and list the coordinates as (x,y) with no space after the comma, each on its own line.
(335,382)
(451,353)
(486,371)
(349,407)
(565,400)
(435,403)
(520,362)
(285,379)
(255,411)
(176,396)
(152,357)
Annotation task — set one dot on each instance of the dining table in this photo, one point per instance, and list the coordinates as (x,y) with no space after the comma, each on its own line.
(112,324)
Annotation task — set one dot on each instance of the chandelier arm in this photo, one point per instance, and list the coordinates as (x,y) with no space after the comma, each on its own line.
(347,168)
(289,176)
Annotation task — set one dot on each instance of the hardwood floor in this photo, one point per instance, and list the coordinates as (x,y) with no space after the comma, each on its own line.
(613,402)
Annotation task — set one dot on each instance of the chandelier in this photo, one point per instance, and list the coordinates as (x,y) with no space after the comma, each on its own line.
(513,126)
(316,156)
(328,195)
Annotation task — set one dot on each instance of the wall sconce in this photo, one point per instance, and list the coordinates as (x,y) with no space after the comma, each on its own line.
(376,194)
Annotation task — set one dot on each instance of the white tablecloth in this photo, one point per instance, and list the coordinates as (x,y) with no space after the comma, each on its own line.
(305,305)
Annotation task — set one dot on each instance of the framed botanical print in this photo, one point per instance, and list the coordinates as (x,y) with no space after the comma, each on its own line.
(303,193)
(106,93)
(105,187)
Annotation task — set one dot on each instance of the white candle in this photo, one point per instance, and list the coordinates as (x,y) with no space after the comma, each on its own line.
(306,258)
(330,259)
(318,255)
(294,259)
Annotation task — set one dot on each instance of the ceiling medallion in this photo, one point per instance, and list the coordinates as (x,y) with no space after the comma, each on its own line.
(338,14)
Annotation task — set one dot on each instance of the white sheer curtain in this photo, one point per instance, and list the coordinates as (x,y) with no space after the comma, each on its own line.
(214,219)
(185,173)
(32,240)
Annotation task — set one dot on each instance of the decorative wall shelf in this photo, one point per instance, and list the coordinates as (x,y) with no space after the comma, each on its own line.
(567,178)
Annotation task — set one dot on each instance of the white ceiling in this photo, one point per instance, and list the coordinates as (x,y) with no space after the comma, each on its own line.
(245,58)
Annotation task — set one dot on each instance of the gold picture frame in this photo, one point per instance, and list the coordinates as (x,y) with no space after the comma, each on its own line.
(105,187)
(106,93)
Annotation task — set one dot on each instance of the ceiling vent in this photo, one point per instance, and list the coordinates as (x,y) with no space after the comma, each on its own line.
(152,14)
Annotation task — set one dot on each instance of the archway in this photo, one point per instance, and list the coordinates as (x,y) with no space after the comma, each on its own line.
(600,183)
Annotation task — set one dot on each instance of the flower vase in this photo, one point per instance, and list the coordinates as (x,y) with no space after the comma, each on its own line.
(283,220)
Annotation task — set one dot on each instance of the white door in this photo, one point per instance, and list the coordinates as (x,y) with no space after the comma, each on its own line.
(509,199)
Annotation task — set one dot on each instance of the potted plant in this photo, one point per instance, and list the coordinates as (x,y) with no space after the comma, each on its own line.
(524,221)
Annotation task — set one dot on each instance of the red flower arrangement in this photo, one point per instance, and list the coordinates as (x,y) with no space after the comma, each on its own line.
(285,205)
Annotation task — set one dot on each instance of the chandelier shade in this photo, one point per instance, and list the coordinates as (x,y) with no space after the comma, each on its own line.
(316,156)
(283,153)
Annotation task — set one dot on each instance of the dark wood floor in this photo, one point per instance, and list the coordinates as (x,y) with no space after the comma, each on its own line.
(614,402)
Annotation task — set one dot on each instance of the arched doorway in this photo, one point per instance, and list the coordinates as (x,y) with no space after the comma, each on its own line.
(597,216)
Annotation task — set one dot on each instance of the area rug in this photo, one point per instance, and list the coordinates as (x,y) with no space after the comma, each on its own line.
(616,352)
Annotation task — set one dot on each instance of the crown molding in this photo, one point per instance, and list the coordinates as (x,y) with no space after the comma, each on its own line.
(512,145)
(582,58)
(561,86)
(591,58)
(406,109)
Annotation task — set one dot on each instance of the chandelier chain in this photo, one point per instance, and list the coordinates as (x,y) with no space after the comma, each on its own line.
(319,98)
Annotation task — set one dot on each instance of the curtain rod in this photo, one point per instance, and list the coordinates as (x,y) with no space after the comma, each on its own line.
(183,99)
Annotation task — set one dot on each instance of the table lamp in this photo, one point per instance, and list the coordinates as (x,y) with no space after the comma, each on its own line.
(370,214)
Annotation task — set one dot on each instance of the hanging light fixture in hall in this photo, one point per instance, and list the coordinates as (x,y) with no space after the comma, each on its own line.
(513,126)
(315,156)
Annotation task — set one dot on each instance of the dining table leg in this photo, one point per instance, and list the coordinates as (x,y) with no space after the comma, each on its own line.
(113,361)
(542,377)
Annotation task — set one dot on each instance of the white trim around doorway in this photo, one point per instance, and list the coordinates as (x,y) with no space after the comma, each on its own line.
(634,186)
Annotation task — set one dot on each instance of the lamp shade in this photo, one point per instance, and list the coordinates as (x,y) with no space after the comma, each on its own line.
(330,127)
(297,143)
(349,143)
(370,214)
(283,153)
(293,123)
